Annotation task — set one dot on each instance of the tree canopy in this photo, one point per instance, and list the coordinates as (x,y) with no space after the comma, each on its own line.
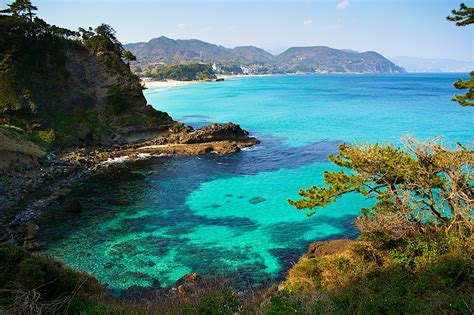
(464,17)
(185,72)
(424,185)
(20,21)
(21,8)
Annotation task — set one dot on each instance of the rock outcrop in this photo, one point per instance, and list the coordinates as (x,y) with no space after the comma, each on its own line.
(220,139)
(332,247)
(211,133)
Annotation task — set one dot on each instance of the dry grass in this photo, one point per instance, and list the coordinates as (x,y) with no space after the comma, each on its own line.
(14,140)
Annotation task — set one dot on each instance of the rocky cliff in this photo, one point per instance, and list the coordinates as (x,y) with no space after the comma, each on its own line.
(69,91)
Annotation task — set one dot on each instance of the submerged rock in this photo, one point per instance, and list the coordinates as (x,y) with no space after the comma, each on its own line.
(214,206)
(108,265)
(118,202)
(256,200)
(72,206)
(137,293)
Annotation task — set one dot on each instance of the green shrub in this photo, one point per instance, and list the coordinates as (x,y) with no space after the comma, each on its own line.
(282,304)
(44,137)
(223,302)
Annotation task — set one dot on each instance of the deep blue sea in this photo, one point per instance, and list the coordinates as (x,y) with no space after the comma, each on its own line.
(229,214)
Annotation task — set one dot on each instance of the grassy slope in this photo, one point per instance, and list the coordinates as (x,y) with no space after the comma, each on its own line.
(377,275)
(371,275)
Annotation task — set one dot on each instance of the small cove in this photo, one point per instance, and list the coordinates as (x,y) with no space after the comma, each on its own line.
(149,222)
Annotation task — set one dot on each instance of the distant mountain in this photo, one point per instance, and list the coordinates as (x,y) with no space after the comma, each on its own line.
(169,51)
(251,55)
(325,59)
(433,65)
(162,50)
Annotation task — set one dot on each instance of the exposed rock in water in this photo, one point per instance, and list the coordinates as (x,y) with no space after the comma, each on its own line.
(73,206)
(211,133)
(221,139)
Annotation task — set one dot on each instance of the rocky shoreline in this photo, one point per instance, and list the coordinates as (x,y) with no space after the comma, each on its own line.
(26,189)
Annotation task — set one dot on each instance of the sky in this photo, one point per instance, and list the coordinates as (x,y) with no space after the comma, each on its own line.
(413,28)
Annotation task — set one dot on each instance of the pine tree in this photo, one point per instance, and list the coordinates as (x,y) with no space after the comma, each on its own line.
(464,17)
(21,8)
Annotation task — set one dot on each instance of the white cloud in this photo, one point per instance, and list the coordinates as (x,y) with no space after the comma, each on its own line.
(183,26)
(307,22)
(344,4)
(205,29)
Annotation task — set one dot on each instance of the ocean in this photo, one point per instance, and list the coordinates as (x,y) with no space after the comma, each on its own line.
(149,222)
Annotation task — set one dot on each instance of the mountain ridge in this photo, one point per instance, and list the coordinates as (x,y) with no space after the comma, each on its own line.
(318,59)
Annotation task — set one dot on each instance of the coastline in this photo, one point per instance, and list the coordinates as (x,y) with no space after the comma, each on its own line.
(30,188)
(175,83)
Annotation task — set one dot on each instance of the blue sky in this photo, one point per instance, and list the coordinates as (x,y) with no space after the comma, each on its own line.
(394,28)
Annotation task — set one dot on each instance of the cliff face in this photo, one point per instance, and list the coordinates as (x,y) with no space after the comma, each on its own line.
(65,93)
(113,96)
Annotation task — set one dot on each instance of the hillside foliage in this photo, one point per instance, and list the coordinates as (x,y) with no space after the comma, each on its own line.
(184,72)
(414,253)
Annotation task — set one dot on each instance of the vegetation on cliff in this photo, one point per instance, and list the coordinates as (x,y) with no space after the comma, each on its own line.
(39,285)
(65,87)
(464,17)
(184,72)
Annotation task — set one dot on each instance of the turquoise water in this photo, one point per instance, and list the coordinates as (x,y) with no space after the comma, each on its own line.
(229,214)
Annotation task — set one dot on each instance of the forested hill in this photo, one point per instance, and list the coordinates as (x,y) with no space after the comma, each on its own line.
(162,51)
(325,59)
(169,51)
(68,88)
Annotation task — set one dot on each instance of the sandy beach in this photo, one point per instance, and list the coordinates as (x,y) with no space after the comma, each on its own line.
(167,83)
(175,83)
